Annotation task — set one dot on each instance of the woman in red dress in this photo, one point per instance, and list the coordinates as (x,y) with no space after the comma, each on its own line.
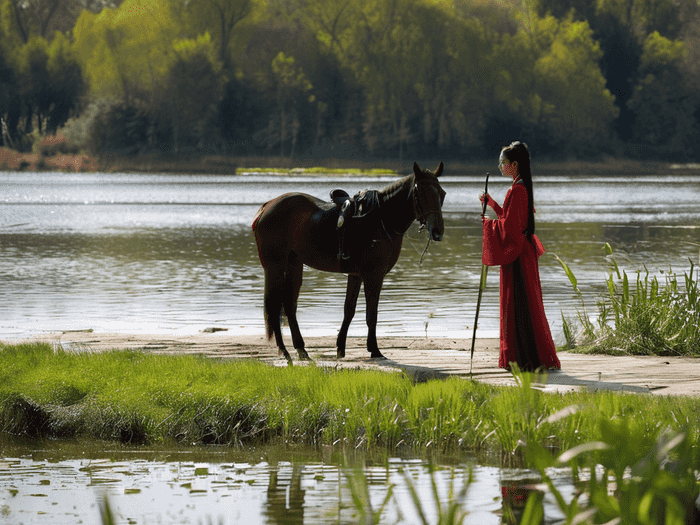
(510,242)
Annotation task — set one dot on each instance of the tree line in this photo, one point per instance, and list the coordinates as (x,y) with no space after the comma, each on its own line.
(354,78)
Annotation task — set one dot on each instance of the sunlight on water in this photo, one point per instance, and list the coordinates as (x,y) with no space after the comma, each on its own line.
(175,254)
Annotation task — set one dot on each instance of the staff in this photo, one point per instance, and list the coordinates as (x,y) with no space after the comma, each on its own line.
(482,282)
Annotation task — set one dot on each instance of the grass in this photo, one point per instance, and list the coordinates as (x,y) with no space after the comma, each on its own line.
(134,397)
(641,315)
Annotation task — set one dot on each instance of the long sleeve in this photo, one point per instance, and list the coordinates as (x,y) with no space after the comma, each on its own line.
(497,209)
(504,237)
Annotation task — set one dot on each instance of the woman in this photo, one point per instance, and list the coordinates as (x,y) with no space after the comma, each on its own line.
(510,242)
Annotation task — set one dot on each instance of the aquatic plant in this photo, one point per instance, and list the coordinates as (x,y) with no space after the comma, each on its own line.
(359,490)
(623,482)
(640,316)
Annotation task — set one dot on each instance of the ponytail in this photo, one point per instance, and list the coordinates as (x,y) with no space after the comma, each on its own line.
(517,151)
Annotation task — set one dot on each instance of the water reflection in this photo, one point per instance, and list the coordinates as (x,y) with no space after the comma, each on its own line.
(285,497)
(254,486)
(165,253)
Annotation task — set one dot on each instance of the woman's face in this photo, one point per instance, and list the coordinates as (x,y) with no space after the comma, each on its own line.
(507,168)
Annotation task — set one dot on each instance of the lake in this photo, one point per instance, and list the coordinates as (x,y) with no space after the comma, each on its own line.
(175,253)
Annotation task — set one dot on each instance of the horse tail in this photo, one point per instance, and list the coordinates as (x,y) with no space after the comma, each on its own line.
(272,306)
(269,330)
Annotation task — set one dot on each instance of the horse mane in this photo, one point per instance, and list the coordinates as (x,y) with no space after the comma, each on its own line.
(395,187)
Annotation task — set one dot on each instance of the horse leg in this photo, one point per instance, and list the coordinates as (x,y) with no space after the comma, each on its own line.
(351,295)
(292,285)
(373,288)
(274,287)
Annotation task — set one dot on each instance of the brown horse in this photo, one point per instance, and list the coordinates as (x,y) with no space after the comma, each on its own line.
(295,229)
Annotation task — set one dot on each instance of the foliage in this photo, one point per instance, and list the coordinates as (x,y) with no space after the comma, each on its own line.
(125,52)
(626,481)
(663,100)
(371,77)
(41,85)
(648,317)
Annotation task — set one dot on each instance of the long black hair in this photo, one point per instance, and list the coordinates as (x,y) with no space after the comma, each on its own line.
(517,151)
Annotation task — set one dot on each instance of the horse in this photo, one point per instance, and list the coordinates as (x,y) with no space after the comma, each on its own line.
(296,229)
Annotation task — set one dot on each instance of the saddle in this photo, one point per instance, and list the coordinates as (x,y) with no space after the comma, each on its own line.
(352,211)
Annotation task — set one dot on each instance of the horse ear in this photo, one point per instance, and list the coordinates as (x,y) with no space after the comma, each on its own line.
(439,169)
(417,170)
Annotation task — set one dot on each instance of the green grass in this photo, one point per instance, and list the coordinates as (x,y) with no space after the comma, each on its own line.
(134,397)
(641,315)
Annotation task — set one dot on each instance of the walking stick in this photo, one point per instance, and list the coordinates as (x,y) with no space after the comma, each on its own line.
(482,281)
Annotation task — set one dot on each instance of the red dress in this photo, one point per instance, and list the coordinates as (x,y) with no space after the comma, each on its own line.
(525,335)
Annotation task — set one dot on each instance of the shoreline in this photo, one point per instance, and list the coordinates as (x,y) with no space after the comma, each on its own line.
(11,160)
(422,358)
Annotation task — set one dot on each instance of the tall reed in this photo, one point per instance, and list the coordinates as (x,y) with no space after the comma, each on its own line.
(641,315)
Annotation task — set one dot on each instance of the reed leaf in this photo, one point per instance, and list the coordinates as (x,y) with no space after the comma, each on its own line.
(569,273)
(647,317)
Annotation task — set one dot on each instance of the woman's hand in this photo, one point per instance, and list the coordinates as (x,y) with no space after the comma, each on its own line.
(487,198)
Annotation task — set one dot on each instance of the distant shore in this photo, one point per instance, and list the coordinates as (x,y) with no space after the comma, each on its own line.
(11,160)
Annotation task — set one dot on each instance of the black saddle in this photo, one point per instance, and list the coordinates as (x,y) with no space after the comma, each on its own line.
(361,205)
(355,210)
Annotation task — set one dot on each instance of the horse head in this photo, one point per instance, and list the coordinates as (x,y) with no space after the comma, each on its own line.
(429,197)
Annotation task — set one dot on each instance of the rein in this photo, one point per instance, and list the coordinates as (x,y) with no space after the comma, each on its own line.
(420,217)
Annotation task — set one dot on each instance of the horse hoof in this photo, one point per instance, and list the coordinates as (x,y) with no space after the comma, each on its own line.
(303,355)
(376,354)
(340,353)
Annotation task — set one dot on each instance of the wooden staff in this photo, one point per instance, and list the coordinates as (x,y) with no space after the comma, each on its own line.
(482,281)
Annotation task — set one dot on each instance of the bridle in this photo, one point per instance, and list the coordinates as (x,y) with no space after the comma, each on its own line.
(417,208)
(420,214)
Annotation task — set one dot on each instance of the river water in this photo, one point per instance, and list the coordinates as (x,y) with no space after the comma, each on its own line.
(175,253)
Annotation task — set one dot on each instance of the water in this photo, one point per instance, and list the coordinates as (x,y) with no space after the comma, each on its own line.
(175,253)
(227,487)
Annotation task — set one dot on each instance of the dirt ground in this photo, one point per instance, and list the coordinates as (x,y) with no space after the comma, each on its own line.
(420,357)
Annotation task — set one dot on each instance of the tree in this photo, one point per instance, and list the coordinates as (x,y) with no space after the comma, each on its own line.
(67,85)
(44,17)
(126,53)
(552,86)
(220,19)
(290,79)
(665,103)
(191,92)
(8,98)
(35,87)
(577,108)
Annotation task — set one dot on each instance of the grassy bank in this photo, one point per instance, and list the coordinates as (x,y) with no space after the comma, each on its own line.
(134,397)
